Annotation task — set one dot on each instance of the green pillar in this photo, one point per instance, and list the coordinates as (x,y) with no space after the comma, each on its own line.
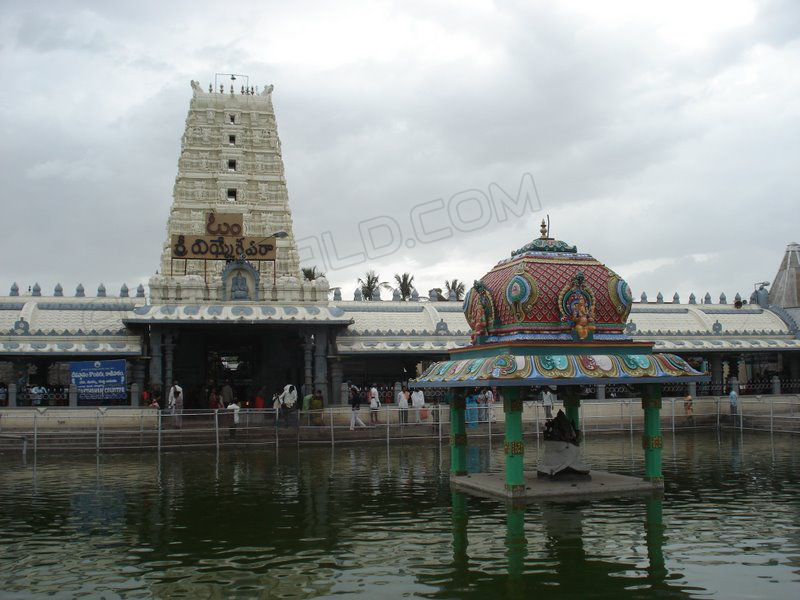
(570,395)
(458,435)
(460,520)
(515,549)
(652,442)
(654,527)
(514,446)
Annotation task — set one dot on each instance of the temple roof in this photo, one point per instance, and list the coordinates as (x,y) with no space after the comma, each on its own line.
(34,325)
(558,369)
(236,312)
(548,290)
(385,327)
(785,289)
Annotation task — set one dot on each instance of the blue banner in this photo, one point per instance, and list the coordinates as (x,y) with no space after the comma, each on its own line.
(99,379)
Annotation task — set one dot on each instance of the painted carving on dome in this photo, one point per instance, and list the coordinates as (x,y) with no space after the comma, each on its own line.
(522,292)
(442,369)
(554,365)
(674,365)
(545,245)
(472,368)
(480,312)
(507,366)
(454,369)
(621,296)
(576,303)
(597,365)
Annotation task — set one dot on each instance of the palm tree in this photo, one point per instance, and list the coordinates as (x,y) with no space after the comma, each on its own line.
(455,286)
(405,284)
(371,284)
(311,273)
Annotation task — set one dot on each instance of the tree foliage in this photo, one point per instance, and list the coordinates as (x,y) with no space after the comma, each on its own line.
(371,283)
(456,286)
(405,283)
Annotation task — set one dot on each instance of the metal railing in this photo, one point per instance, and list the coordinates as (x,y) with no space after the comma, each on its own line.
(125,428)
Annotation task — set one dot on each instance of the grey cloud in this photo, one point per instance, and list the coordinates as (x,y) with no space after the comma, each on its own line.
(630,162)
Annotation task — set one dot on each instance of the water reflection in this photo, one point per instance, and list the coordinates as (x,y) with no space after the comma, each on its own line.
(366,521)
(563,558)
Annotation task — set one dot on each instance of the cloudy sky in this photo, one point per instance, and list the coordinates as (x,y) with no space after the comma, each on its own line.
(663,140)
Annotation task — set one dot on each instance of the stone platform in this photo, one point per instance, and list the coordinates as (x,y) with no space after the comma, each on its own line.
(601,484)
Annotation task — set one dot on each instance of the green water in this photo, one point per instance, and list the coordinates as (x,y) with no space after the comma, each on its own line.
(376,523)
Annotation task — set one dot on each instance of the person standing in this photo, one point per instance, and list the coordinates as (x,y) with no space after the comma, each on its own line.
(145,396)
(317,405)
(733,400)
(234,407)
(374,405)
(276,406)
(37,392)
(490,405)
(547,400)
(355,406)
(261,398)
(227,393)
(306,407)
(214,400)
(688,409)
(175,403)
(402,404)
(288,401)
(418,402)
(471,412)
(482,405)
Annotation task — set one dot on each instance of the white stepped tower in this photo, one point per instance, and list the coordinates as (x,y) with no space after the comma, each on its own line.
(231,163)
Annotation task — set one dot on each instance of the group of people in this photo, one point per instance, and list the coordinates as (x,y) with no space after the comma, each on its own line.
(480,407)
(372,397)
(283,402)
(416,400)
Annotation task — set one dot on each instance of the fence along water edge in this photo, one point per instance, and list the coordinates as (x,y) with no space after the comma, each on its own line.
(127,428)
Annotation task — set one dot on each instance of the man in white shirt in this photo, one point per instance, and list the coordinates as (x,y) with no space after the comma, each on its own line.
(490,405)
(234,406)
(374,404)
(175,403)
(38,392)
(547,400)
(417,401)
(402,404)
(288,399)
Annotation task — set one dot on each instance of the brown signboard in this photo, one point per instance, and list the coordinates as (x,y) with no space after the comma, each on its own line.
(209,247)
(225,224)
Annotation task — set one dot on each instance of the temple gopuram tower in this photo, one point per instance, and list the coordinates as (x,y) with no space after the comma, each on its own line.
(230,202)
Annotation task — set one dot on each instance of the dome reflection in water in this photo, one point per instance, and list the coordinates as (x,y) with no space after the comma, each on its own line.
(383,523)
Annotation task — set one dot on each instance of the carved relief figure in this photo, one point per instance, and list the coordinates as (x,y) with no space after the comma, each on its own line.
(239,289)
(580,316)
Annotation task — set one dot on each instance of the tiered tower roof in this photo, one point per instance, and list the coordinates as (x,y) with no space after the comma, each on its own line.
(231,162)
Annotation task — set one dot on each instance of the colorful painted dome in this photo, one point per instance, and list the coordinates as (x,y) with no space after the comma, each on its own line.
(548,290)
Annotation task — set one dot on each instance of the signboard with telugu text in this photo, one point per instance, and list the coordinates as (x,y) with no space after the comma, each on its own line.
(206,247)
(99,379)
(223,241)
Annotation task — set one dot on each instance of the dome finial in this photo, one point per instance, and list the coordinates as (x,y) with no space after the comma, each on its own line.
(543,229)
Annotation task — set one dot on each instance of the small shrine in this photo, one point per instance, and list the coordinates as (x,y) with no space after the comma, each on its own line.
(552,316)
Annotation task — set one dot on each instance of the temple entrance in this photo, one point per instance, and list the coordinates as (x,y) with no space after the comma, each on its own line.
(247,358)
